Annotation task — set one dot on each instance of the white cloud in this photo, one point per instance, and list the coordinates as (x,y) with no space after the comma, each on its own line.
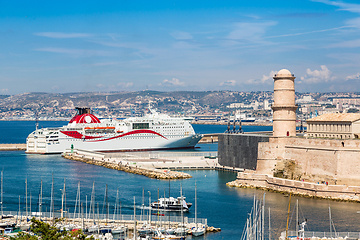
(355,8)
(346,44)
(4,90)
(184,45)
(355,22)
(173,82)
(63,35)
(317,76)
(181,35)
(303,33)
(250,31)
(100,85)
(125,85)
(75,52)
(351,77)
(105,64)
(228,83)
(266,78)
(54,87)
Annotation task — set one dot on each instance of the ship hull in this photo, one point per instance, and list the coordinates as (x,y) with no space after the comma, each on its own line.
(125,144)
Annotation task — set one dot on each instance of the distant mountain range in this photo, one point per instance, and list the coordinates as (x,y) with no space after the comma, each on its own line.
(169,100)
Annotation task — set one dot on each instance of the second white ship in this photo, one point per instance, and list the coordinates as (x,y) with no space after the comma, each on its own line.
(85,131)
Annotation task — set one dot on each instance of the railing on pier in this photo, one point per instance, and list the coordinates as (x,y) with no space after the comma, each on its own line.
(89,217)
(158,155)
(140,155)
(310,234)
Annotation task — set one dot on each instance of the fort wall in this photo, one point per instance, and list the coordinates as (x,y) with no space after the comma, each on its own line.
(331,160)
(239,150)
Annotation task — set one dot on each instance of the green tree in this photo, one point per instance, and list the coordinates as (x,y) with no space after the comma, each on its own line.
(45,231)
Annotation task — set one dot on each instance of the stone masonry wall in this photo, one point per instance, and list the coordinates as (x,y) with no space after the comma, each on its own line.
(332,160)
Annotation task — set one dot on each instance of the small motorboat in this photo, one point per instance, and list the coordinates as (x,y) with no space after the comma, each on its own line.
(171,204)
(198,231)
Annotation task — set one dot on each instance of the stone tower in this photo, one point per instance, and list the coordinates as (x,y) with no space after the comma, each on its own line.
(284,108)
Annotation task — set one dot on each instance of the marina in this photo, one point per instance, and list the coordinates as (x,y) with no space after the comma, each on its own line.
(121,225)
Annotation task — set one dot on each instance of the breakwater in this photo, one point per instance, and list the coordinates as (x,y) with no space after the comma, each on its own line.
(299,188)
(125,166)
(13,147)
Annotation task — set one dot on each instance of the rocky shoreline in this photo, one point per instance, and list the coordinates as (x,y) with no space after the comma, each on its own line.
(151,173)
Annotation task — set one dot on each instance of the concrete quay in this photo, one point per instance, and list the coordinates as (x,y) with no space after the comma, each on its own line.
(111,221)
(13,147)
(299,188)
(150,164)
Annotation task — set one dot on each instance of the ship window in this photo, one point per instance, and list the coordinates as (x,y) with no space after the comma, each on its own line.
(140,125)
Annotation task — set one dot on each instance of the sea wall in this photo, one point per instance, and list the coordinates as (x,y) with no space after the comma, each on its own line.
(95,159)
(301,188)
(239,150)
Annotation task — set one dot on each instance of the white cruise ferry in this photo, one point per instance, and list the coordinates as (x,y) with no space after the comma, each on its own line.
(85,131)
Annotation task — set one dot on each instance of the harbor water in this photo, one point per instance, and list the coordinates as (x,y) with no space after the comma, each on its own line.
(224,207)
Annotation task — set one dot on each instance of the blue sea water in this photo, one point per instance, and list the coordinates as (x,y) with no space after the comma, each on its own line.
(223,206)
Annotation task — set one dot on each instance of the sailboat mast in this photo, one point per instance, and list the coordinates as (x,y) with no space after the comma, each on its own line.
(86,210)
(263,218)
(287,221)
(79,201)
(269,225)
(52,197)
(65,196)
(92,202)
(116,205)
(26,198)
(30,203)
(297,217)
(149,207)
(330,221)
(40,200)
(157,222)
(142,206)
(107,206)
(134,220)
(18,212)
(2,191)
(195,207)
(181,203)
(169,200)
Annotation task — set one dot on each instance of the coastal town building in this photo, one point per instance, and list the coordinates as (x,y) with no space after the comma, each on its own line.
(335,125)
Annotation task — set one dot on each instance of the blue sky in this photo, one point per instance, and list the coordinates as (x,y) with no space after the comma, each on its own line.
(73,46)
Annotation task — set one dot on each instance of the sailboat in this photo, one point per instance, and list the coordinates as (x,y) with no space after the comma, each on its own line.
(2,191)
(181,230)
(197,231)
